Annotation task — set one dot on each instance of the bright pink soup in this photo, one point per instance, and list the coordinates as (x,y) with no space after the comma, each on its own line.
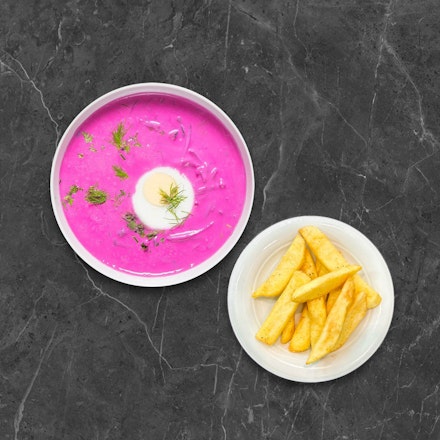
(160,130)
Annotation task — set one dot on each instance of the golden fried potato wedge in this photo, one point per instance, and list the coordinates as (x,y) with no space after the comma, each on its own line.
(301,337)
(320,268)
(283,309)
(309,266)
(316,307)
(280,276)
(355,315)
(373,298)
(288,330)
(333,324)
(318,314)
(331,298)
(326,252)
(322,285)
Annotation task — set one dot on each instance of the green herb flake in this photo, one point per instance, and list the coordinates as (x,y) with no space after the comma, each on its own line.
(139,228)
(120,172)
(87,137)
(134,225)
(144,247)
(119,197)
(136,141)
(68,199)
(118,138)
(96,196)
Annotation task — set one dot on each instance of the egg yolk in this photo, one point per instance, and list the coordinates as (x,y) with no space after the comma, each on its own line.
(154,184)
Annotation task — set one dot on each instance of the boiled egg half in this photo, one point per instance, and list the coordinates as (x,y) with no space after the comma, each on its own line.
(163,198)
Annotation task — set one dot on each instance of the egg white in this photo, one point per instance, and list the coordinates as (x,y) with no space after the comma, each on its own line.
(158,217)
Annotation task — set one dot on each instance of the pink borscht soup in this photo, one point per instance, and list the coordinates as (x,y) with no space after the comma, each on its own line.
(152,184)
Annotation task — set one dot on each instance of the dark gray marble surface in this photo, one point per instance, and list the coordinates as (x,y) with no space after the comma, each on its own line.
(339,104)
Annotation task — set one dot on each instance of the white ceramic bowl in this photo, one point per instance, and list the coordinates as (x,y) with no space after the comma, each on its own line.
(134,279)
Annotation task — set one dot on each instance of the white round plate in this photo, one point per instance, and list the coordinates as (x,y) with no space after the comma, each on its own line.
(135,279)
(247,314)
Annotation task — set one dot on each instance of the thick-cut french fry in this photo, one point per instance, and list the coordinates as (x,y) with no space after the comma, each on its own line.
(316,307)
(288,331)
(321,285)
(320,269)
(301,337)
(308,266)
(318,314)
(290,262)
(331,298)
(333,324)
(373,298)
(355,315)
(326,252)
(283,309)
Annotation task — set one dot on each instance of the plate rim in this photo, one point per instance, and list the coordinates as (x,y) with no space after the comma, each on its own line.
(257,356)
(135,279)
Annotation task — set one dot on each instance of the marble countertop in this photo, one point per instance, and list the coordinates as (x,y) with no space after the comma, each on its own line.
(339,104)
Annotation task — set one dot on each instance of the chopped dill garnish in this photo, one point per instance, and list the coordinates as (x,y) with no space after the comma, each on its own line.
(134,224)
(96,196)
(119,197)
(87,137)
(135,141)
(139,228)
(172,200)
(130,220)
(120,172)
(144,247)
(73,190)
(118,138)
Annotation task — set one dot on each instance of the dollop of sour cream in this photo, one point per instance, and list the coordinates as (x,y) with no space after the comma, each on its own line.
(163,198)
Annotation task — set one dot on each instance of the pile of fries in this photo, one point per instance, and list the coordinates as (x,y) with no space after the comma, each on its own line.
(314,275)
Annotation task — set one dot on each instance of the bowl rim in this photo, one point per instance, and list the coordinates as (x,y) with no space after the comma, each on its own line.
(133,278)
